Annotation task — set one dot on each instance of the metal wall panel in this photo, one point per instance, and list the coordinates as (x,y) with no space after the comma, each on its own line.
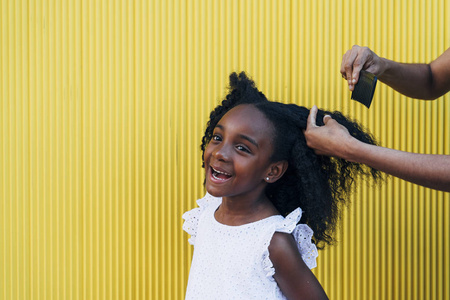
(102,108)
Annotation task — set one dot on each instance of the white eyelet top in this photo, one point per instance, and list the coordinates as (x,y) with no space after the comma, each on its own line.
(232,262)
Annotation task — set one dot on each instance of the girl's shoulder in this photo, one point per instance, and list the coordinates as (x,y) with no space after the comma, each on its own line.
(191,217)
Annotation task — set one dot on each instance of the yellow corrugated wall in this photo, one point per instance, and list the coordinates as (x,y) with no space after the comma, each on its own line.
(102,108)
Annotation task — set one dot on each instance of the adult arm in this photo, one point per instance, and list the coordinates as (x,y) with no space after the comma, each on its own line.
(421,81)
(292,275)
(333,139)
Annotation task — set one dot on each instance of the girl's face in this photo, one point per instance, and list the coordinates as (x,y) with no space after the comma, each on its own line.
(237,159)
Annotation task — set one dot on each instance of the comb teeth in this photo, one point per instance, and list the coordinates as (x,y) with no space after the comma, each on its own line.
(365,88)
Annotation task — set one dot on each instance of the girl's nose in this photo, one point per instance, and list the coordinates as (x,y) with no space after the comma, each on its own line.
(222,153)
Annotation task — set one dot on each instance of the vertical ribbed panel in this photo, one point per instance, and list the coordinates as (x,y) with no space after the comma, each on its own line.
(102,108)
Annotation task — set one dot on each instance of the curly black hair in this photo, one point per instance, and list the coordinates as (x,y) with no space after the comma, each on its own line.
(320,185)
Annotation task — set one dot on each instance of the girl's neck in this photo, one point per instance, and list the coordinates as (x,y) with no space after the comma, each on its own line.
(241,210)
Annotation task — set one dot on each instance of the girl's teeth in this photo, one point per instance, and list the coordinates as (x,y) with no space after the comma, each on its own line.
(219,175)
(220,172)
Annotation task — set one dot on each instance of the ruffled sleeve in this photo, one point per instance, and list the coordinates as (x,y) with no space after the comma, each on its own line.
(308,250)
(302,235)
(192,216)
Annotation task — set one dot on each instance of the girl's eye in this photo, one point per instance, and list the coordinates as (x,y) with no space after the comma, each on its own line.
(216,138)
(242,148)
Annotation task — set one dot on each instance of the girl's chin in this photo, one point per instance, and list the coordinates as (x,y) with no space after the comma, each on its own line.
(213,192)
(217,195)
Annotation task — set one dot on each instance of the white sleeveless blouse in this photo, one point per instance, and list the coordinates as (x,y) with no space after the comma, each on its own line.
(232,262)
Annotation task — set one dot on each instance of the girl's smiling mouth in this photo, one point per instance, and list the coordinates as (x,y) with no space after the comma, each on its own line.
(219,175)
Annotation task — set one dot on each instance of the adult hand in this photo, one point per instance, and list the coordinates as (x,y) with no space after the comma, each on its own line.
(333,139)
(330,139)
(357,59)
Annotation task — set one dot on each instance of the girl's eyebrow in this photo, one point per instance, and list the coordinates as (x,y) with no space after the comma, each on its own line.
(241,136)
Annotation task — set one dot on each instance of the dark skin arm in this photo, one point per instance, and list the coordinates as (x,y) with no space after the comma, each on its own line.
(294,278)
(333,139)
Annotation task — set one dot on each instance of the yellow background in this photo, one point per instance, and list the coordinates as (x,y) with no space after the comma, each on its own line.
(102,108)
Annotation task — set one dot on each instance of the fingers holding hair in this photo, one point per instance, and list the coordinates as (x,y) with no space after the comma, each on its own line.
(313,131)
(326,139)
(311,121)
(326,118)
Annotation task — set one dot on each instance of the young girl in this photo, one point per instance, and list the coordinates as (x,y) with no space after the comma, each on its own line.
(261,179)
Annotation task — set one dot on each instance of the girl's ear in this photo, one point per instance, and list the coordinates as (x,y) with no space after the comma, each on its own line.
(277,170)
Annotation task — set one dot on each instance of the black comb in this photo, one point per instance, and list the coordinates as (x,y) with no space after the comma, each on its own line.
(365,88)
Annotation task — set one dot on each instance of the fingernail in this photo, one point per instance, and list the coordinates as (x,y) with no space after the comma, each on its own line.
(354,80)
